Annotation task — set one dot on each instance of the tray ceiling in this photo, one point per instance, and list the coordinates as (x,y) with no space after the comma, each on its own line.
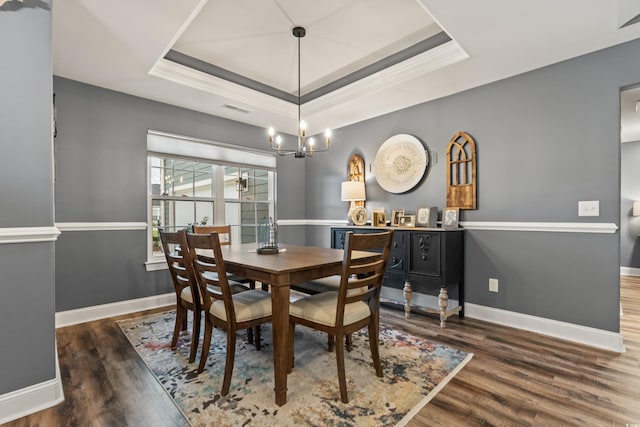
(359,59)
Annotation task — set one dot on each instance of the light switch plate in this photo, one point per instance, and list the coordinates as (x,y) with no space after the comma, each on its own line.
(589,208)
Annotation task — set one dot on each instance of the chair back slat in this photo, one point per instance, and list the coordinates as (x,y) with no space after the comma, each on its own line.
(224,232)
(205,255)
(365,274)
(174,246)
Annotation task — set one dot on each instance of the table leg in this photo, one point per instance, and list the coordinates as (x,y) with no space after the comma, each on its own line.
(280,307)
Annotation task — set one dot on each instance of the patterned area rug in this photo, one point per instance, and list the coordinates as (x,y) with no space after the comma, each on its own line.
(414,371)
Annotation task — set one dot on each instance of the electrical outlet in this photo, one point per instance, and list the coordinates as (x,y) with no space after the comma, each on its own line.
(589,208)
(493,285)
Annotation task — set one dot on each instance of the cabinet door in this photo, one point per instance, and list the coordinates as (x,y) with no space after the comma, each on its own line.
(424,253)
(394,280)
(425,285)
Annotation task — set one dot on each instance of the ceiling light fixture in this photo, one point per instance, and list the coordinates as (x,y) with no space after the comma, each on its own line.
(306,146)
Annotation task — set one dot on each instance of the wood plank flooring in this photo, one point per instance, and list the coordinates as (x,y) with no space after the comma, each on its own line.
(515,378)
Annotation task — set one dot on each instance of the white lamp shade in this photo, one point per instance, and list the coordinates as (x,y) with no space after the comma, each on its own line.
(353,191)
(636,208)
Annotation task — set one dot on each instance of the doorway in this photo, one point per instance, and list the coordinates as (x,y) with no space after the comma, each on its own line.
(630,181)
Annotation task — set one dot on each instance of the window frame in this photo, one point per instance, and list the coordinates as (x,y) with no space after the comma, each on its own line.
(219,155)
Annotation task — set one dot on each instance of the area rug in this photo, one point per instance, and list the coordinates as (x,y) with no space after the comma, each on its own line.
(414,371)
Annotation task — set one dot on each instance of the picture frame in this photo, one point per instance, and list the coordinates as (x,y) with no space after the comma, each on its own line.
(358,215)
(422,216)
(379,218)
(450,217)
(407,221)
(433,217)
(395,216)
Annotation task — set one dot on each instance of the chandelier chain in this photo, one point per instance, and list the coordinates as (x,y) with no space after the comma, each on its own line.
(305,147)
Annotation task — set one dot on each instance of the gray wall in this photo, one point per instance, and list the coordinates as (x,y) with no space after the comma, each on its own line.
(629,225)
(100,155)
(546,140)
(26,182)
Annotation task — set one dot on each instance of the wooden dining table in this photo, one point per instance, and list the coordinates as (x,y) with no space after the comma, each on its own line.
(291,265)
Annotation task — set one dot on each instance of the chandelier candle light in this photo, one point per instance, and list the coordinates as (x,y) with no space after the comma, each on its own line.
(306,147)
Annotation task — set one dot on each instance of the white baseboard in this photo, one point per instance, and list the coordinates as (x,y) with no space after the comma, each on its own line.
(593,337)
(630,271)
(26,401)
(88,314)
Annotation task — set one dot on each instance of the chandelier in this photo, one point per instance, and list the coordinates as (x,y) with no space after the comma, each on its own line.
(306,146)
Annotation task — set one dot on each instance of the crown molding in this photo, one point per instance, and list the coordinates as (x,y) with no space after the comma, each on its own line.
(195,79)
(434,59)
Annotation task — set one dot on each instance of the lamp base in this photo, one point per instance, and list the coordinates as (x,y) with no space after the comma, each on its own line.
(349,217)
(268,250)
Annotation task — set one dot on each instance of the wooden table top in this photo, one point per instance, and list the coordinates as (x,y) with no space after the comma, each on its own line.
(291,259)
(296,264)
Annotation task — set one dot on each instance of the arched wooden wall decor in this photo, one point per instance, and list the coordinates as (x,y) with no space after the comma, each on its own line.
(355,172)
(461,172)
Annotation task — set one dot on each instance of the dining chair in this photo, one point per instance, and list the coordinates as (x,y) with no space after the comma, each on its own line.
(326,284)
(174,245)
(224,233)
(223,309)
(353,306)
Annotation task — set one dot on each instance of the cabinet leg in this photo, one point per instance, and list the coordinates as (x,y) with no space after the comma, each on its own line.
(407,299)
(443,298)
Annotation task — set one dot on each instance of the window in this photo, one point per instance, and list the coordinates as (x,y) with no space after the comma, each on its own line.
(182,193)
(247,201)
(203,184)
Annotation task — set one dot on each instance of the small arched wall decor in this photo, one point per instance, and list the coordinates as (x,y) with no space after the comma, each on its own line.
(461,172)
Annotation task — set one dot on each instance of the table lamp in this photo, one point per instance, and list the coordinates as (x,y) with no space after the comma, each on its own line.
(353,191)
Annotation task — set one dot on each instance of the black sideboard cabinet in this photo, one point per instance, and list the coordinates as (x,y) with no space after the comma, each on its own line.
(425,270)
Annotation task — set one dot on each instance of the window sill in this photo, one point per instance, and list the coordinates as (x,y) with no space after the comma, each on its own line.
(156,265)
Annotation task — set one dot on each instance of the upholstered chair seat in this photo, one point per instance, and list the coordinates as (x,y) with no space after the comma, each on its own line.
(249,305)
(321,308)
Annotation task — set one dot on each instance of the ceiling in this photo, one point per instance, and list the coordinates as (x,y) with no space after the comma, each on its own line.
(359,59)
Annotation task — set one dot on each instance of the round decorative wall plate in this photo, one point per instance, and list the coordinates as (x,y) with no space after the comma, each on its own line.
(358,215)
(400,163)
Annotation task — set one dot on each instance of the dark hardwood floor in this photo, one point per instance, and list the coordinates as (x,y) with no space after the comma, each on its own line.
(515,377)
